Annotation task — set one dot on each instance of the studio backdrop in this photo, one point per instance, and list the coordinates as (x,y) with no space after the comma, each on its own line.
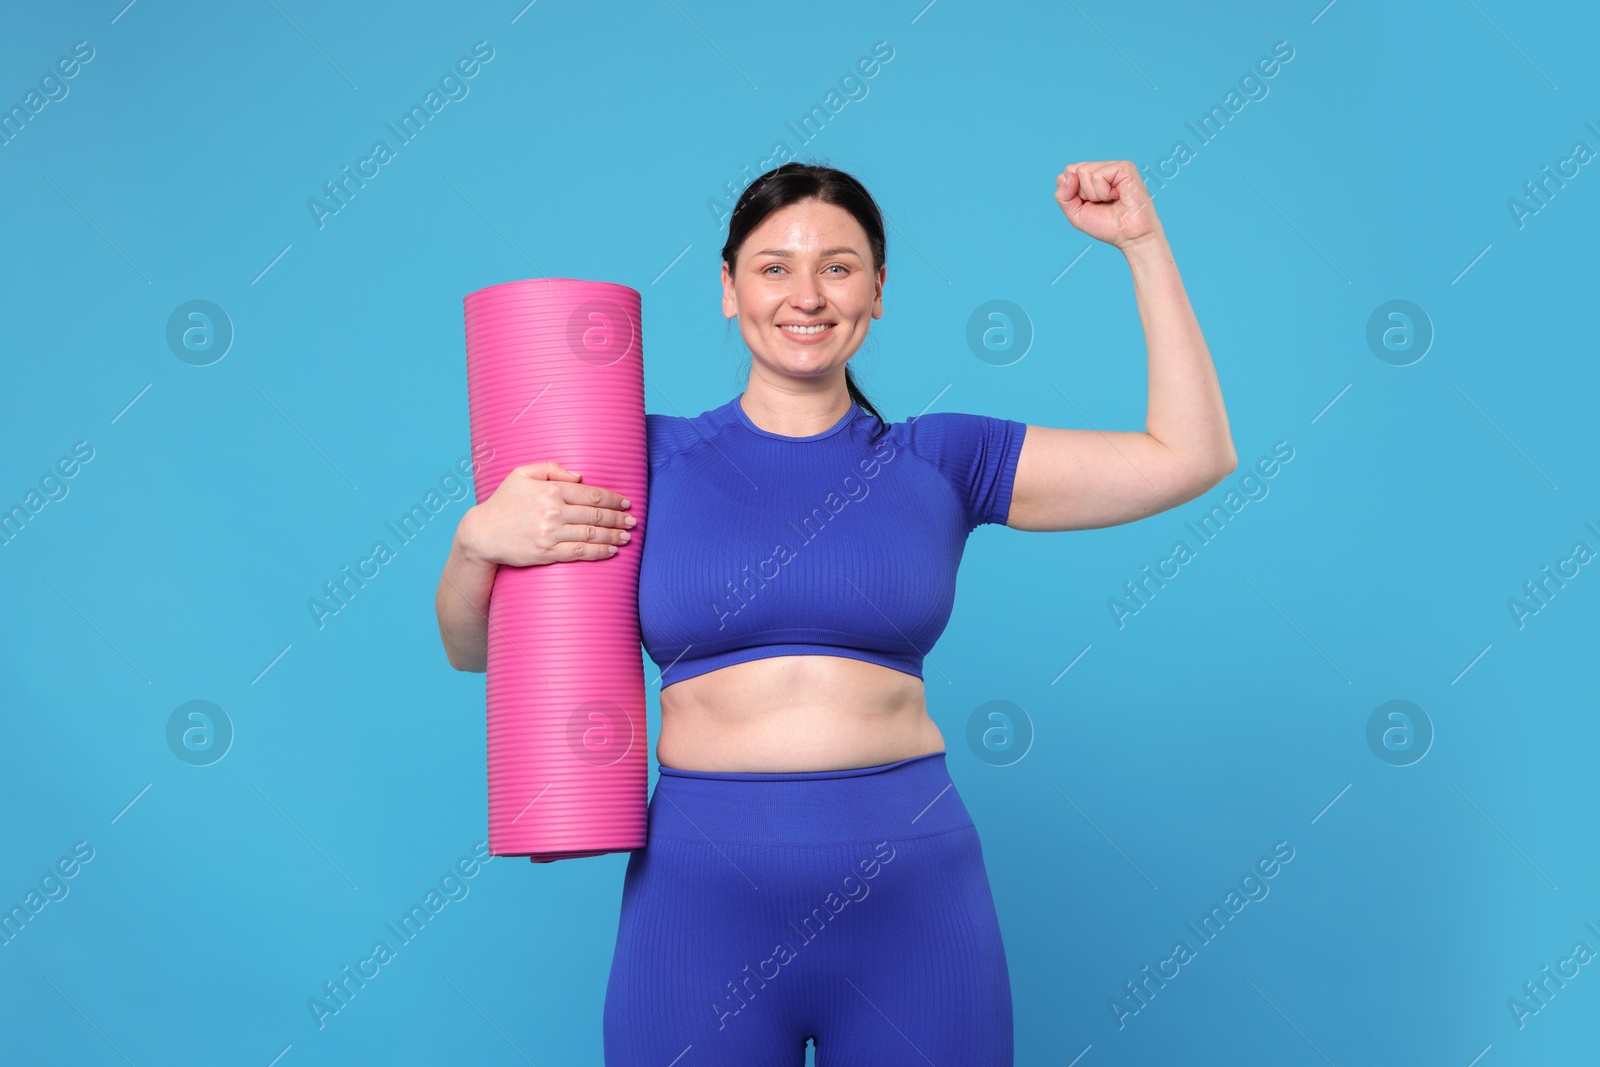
(1299,772)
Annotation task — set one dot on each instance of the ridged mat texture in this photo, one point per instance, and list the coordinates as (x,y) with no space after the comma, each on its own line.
(555,371)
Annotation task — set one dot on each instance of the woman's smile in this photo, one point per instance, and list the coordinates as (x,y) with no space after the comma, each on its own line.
(807,335)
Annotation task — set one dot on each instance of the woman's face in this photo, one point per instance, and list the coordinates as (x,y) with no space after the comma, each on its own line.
(806,263)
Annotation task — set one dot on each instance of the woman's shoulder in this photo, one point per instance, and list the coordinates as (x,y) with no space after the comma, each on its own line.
(945,433)
(976,454)
(667,436)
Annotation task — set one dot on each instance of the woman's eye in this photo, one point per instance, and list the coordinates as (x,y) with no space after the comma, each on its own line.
(779,266)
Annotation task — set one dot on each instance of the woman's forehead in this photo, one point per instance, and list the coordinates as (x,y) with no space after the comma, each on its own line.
(808,226)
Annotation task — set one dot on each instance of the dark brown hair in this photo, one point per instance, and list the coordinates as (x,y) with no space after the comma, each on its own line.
(792,182)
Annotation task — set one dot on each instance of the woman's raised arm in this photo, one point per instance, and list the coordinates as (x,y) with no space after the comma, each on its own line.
(1085,479)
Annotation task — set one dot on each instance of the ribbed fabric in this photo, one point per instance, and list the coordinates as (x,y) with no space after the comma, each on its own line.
(848,907)
(834,544)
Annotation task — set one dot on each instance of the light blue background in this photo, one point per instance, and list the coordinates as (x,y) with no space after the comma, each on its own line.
(1229,714)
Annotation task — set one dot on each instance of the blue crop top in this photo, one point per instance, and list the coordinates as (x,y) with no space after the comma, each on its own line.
(759,545)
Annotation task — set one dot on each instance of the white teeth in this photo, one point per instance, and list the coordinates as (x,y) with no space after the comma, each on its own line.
(804,329)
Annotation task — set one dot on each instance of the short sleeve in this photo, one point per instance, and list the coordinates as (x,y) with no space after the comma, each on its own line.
(667,436)
(977,454)
(652,442)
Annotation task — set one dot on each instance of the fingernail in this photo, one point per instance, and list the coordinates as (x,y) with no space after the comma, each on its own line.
(625,501)
(629,520)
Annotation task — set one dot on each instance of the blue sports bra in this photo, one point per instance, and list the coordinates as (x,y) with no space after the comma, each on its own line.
(831,544)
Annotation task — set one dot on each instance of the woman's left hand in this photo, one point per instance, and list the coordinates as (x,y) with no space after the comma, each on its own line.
(1108,201)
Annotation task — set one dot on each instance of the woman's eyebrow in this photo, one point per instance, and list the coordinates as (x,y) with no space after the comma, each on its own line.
(841,249)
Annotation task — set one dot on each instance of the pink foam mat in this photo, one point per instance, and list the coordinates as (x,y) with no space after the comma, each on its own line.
(555,371)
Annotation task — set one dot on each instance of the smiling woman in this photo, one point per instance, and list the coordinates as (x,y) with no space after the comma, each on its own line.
(794,721)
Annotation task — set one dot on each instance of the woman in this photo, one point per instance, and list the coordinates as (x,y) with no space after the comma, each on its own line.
(813,873)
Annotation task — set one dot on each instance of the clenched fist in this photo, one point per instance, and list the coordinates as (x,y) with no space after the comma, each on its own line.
(1107,200)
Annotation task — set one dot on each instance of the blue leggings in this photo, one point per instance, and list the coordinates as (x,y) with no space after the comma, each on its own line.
(849,907)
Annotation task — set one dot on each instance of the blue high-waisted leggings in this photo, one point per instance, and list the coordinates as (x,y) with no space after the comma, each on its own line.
(849,907)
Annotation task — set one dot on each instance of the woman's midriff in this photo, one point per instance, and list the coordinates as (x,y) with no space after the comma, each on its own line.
(795,713)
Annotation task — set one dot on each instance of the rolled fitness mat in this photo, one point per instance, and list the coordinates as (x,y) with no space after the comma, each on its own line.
(555,371)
